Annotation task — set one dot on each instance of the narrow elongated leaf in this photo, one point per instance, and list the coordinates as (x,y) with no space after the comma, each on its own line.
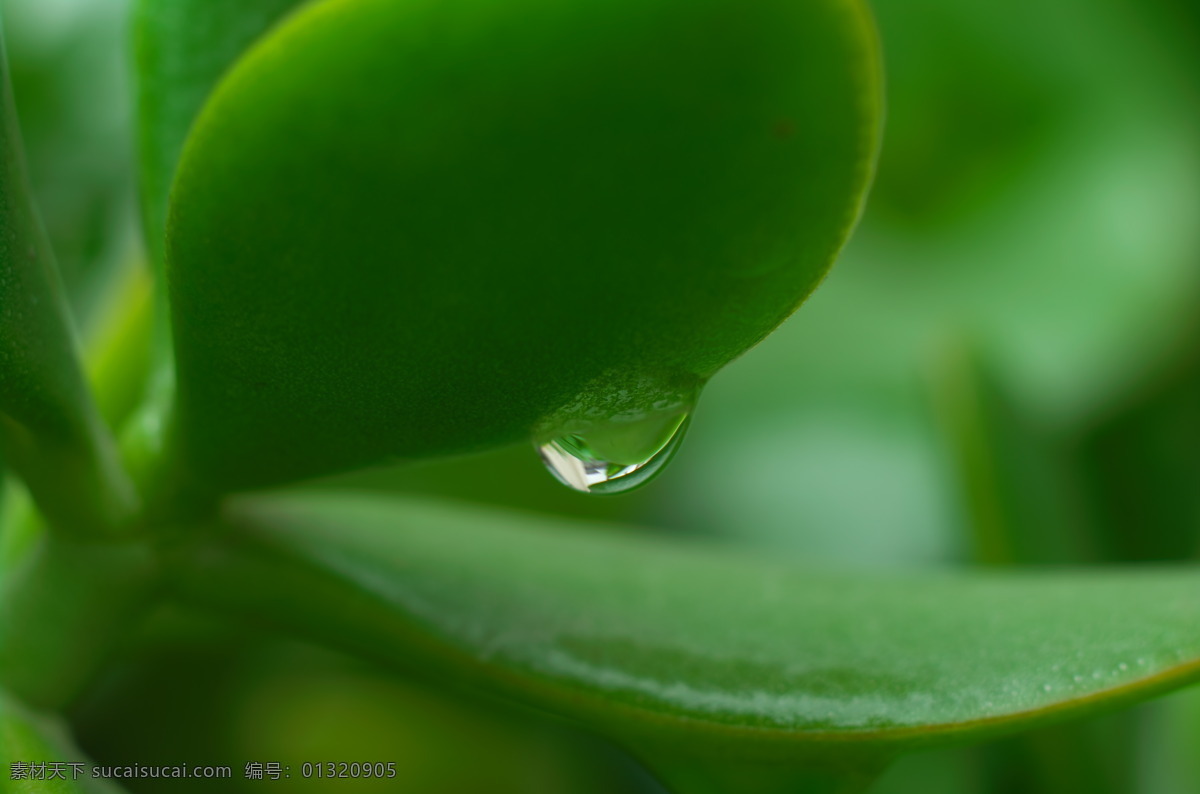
(664,644)
(50,428)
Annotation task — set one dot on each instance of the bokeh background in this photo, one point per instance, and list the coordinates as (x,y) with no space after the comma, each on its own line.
(1002,369)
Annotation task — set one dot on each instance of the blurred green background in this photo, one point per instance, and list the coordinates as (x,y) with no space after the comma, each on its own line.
(1002,369)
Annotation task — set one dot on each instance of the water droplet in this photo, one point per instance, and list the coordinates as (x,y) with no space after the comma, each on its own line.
(1046,687)
(581,462)
(1122,666)
(1078,679)
(1141,662)
(624,442)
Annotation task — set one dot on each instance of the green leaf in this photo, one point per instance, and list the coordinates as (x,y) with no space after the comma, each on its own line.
(414,229)
(27,738)
(50,429)
(696,650)
(182,48)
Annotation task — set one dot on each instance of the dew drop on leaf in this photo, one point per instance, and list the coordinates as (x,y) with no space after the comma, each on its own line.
(618,454)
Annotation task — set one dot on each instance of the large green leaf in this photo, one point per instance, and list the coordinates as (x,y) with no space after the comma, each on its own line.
(682,649)
(409,229)
(50,429)
(182,48)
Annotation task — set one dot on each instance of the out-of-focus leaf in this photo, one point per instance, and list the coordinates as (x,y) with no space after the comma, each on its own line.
(68,66)
(1143,463)
(1021,503)
(1018,499)
(1040,197)
(845,475)
(64,607)
(253,695)
(50,428)
(675,648)
(18,530)
(300,709)
(1092,756)
(1039,200)
(1169,736)
(1178,26)
(28,740)
(395,226)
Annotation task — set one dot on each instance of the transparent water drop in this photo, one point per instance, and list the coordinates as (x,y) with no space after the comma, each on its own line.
(616,455)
